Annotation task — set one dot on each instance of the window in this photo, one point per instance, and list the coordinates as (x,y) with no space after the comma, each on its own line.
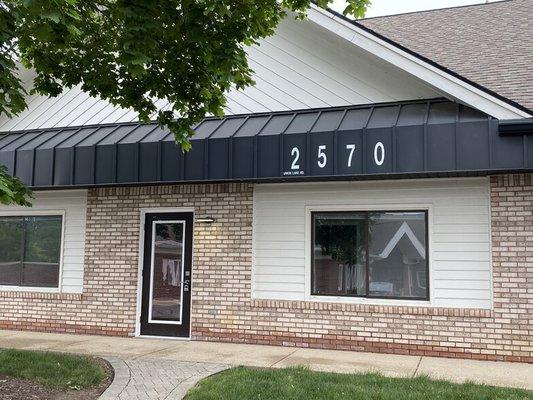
(379,254)
(30,250)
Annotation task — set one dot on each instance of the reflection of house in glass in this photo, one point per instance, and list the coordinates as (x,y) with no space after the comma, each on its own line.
(397,258)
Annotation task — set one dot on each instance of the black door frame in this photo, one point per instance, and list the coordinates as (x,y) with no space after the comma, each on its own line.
(187,215)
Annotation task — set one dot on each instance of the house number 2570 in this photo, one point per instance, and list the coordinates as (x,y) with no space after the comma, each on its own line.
(322,158)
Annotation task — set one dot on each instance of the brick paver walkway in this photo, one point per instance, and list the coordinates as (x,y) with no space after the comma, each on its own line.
(155,379)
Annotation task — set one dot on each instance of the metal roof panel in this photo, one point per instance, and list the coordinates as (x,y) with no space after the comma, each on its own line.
(228,127)
(328,121)
(355,119)
(427,137)
(252,126)
(277,124)
(6,139)
(412,114)
(206,128)
(156,135)
(77,135)
(302,123)
(138,133)
(383,117)
(21,140)
(442,113)
(467,114)
(117,135)
(97,136)
(39,140)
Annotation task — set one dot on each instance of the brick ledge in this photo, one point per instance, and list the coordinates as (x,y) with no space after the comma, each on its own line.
(373,308)
(40,295)
(357,345)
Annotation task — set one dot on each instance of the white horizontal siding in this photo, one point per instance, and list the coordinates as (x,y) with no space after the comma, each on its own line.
(459,234)
(301,66)
(73,204)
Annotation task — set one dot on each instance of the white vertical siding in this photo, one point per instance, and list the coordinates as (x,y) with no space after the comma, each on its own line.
(73,204)
(301,66)
(459,234)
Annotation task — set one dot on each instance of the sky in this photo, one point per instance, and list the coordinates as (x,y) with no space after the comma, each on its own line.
(388,7)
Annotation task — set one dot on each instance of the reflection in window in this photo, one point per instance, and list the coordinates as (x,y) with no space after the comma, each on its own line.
(30,250)
(371,254)
(167,271)
(397,255)
(339,266)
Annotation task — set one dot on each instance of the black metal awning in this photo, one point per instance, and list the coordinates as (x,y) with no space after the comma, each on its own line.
(425,138)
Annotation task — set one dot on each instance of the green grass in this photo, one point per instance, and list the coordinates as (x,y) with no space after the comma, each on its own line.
(57,371)
(302,384)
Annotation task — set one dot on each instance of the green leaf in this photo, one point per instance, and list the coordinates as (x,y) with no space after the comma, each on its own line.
(12,190)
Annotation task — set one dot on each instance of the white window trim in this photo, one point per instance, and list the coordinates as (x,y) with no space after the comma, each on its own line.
(31,213)
(367,300)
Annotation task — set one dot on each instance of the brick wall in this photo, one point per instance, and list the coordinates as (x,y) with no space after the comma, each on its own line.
(504,333)
(223,309)
(109,299)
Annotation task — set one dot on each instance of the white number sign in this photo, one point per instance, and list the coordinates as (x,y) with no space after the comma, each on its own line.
(296,154)
(322,159)
(379,158)
(350,147)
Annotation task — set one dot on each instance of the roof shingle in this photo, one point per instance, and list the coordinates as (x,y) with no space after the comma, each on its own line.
(490,44)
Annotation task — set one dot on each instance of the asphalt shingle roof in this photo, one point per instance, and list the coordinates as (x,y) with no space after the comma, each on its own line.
(489,44)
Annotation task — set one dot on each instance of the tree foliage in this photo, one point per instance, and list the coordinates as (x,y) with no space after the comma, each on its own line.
(12,190)
(169,60)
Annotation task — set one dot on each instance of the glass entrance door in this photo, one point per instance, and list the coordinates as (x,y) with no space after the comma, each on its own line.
(167,274)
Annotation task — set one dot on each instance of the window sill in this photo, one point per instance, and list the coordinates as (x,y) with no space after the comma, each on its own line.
(37,293)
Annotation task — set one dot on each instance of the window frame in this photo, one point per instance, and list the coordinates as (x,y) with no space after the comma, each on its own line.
(310,241)
(40,213)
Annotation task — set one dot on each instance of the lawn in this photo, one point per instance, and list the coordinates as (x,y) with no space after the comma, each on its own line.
(302,384)
(52,370)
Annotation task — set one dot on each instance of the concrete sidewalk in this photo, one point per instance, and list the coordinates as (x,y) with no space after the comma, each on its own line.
(488,372)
